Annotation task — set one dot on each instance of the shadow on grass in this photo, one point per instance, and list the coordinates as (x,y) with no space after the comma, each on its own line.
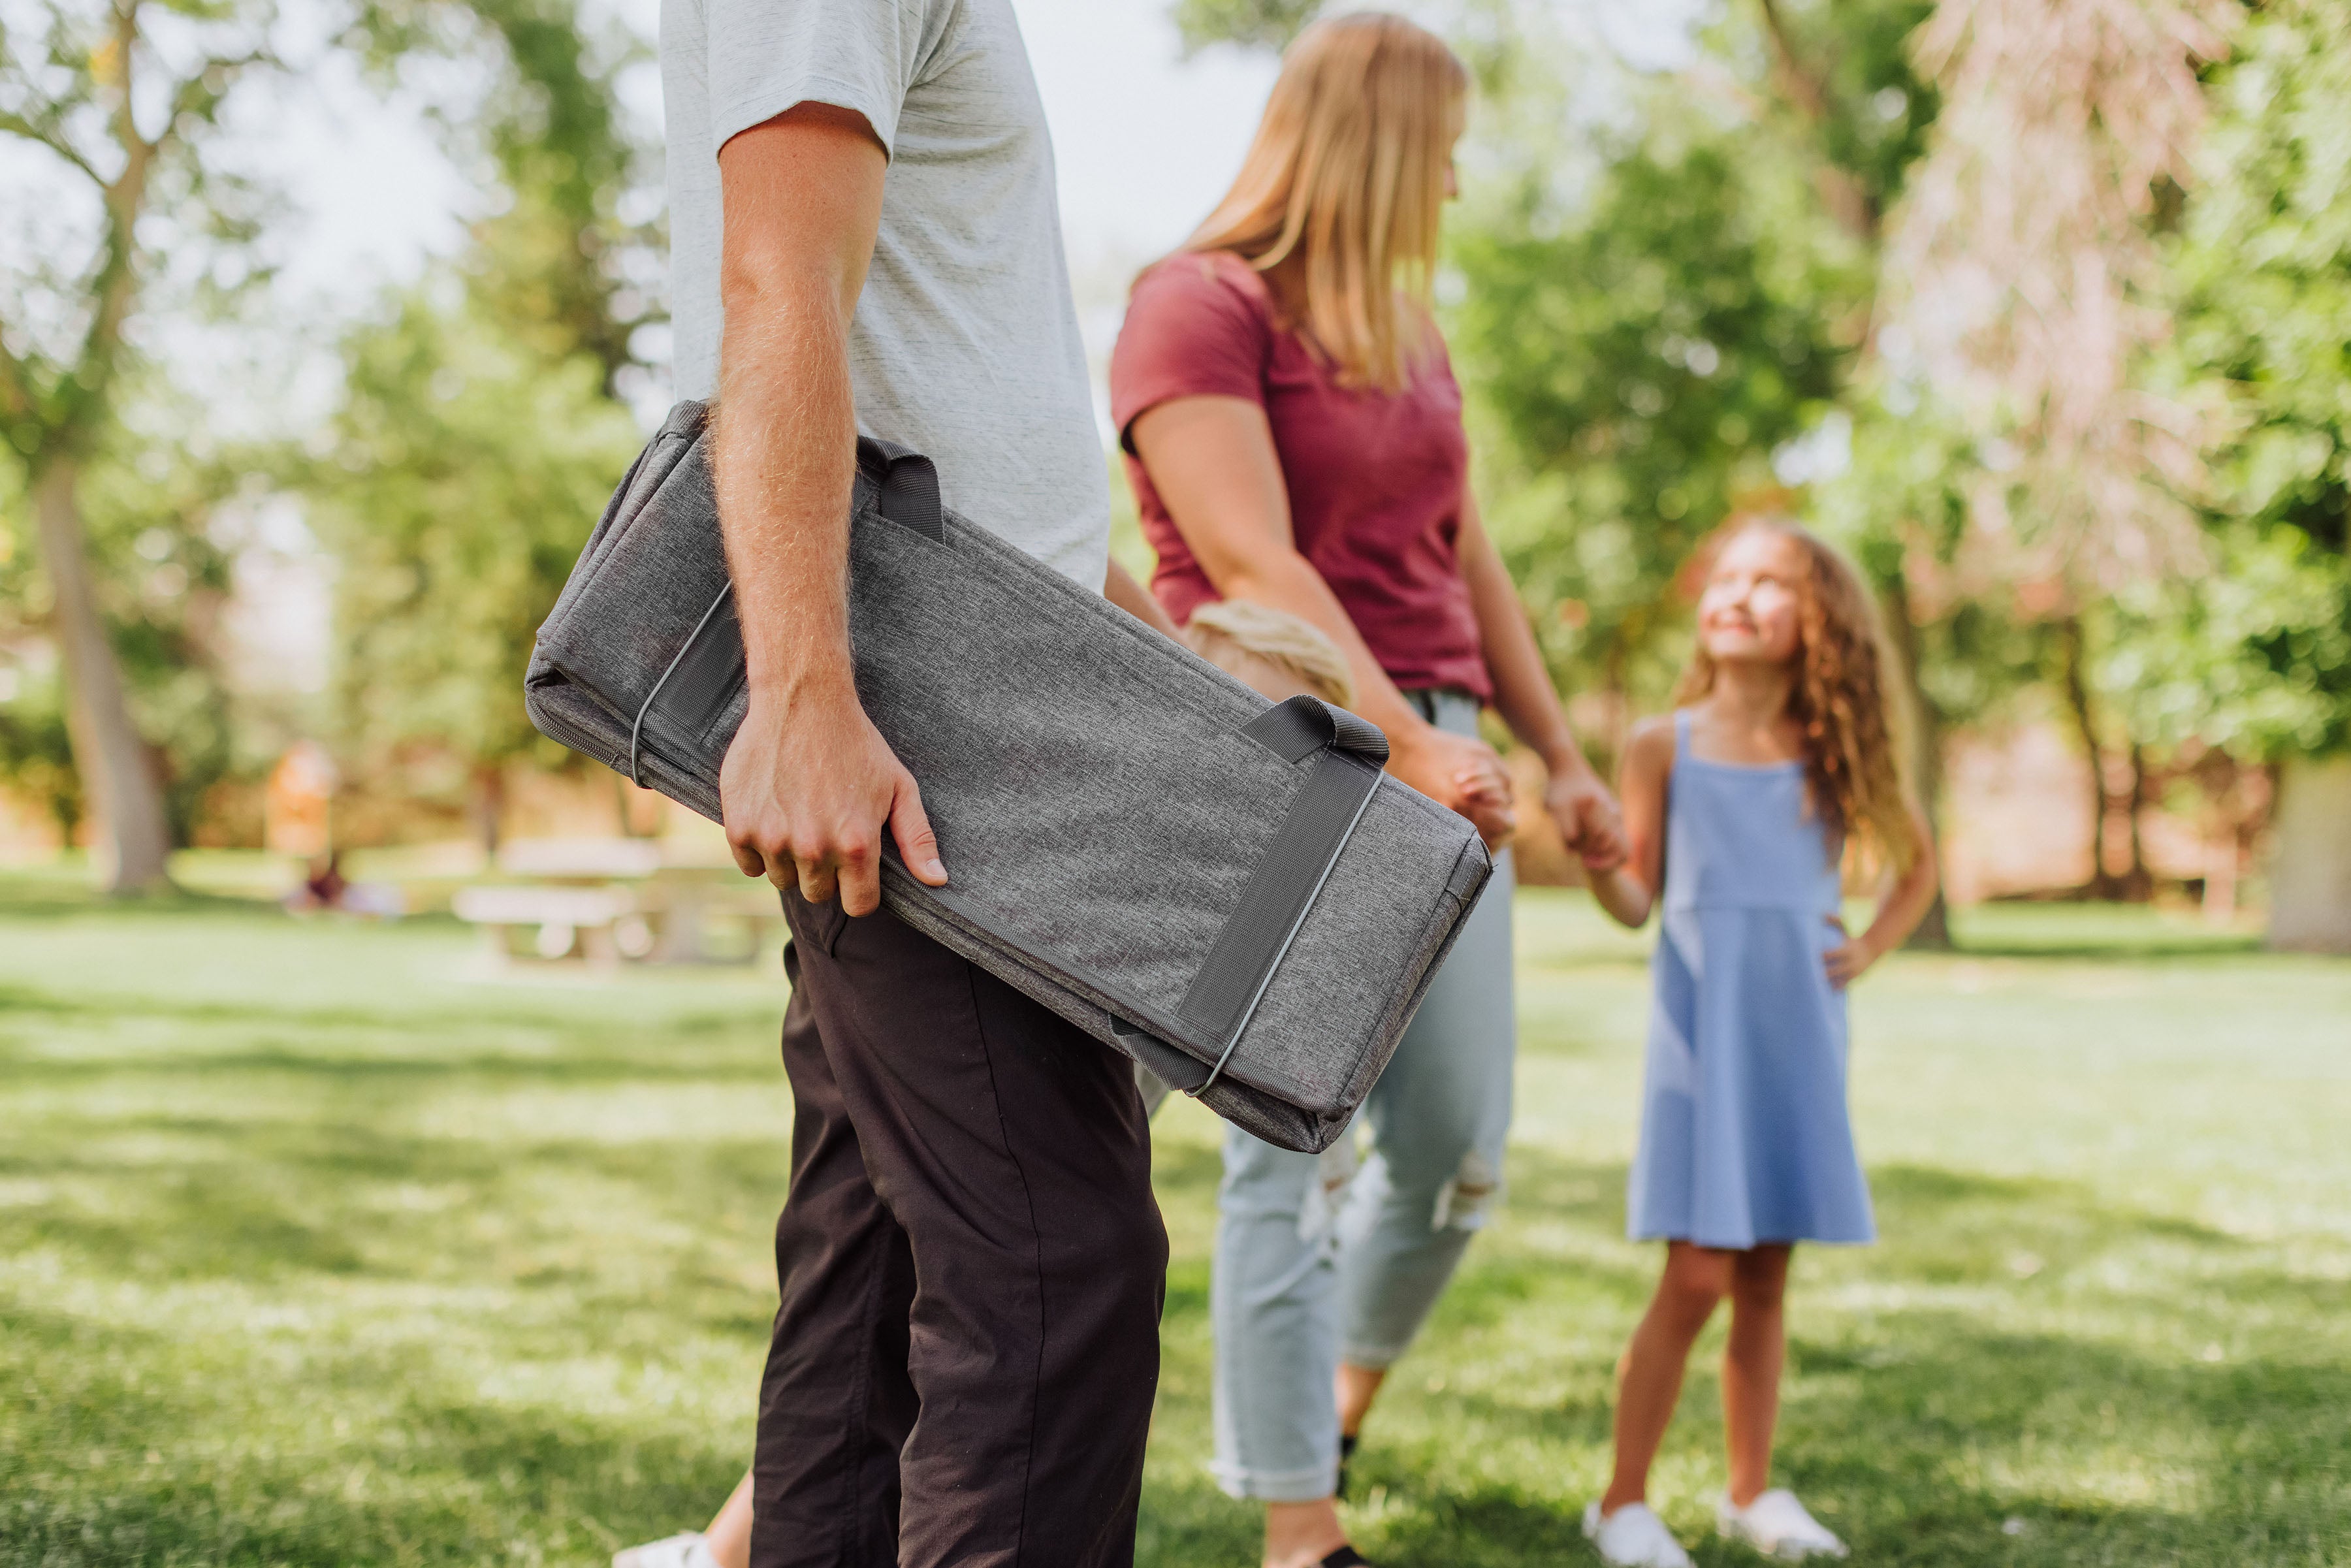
(142,1458)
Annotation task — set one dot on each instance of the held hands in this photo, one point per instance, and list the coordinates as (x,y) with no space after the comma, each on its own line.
(1458,772)
(1587,816)
(1847,961)
(808,787)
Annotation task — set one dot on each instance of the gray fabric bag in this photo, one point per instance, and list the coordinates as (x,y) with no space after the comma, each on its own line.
(1229,892)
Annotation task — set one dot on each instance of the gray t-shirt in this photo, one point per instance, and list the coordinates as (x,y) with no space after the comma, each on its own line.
(965,346)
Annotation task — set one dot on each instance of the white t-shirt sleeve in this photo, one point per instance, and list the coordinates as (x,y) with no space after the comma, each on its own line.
(767,56)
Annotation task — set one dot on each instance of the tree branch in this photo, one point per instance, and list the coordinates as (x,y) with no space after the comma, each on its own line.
(1840,192)
(16,124)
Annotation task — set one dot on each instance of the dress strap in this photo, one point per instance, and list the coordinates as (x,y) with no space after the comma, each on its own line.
(1681,733)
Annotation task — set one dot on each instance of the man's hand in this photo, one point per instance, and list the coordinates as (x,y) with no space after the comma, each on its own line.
(1458,772)
(807,794)
(1587,816)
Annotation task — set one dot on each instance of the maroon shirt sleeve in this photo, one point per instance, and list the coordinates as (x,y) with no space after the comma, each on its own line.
(1192,330)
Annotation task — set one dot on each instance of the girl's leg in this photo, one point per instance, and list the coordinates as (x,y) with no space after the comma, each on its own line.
(1650,1380)
(728,1537)
(1750,1367)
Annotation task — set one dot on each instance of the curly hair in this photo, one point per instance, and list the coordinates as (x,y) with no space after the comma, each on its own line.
(1843,705)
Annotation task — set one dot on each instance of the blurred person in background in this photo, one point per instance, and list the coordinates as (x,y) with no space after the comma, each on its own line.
(1295,437)
(1739,807)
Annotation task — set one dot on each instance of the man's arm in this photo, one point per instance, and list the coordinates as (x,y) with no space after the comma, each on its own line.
(809,786)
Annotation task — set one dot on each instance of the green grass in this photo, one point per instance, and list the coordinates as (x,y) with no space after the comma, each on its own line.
(318,1247)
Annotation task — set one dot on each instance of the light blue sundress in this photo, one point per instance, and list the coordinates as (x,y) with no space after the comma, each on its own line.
(1745,1137)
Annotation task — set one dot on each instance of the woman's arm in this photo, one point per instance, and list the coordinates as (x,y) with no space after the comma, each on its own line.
(1587,813)
(1627,890)
(1898,912)
(1213,462)
(1131,596)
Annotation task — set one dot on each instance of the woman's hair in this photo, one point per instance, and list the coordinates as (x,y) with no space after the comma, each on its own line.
(1843,700)
(1346,181)
(1290,644)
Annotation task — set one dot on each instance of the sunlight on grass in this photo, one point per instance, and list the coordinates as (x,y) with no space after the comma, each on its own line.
(318,1245)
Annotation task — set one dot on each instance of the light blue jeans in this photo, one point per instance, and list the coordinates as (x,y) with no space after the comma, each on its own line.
(1308,1270)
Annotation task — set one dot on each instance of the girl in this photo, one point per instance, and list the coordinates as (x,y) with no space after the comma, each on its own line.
(1740,806)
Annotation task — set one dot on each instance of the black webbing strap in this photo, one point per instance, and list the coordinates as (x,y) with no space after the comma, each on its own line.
(907,486)
(700,675)
(1342,754)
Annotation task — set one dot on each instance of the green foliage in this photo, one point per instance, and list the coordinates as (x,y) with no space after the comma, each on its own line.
(572,273)
(1637,365)
(1872,113)
(1251,24)
(318,1252)
(464,472)
(2255,654)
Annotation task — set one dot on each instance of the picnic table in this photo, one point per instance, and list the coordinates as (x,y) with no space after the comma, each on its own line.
(613,899)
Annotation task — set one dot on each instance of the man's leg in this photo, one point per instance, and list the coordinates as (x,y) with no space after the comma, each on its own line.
(1013,1152)
(835,1404)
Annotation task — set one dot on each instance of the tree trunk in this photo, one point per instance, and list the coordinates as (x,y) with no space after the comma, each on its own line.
(2310,871)
(1925,730)
(2102,883)
(2138,879)
(132,837)
(490,807)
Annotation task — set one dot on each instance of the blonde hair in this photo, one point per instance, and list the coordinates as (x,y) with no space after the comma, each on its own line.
(1343,189)
(1295,647)
(1842,702)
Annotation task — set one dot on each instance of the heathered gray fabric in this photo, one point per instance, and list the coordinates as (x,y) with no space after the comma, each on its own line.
(965,344)
(1097,808)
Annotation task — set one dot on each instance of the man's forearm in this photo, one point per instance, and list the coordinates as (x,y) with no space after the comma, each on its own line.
(784,463)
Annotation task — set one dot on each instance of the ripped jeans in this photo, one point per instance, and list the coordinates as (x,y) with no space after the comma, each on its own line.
(1312,1265)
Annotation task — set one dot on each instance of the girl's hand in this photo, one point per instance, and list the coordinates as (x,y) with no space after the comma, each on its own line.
(1847,961)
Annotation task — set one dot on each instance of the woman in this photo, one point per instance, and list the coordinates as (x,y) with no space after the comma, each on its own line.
(1294,436)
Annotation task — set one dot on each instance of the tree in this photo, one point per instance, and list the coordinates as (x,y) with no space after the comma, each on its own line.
(2254,656)
(122,99)
(481,425)
(465,469)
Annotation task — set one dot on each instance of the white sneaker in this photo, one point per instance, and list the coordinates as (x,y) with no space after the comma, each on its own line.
(1633,1537)
(1777,1525)
(687,1551)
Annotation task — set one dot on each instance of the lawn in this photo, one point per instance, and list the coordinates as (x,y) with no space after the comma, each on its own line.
(320,1245)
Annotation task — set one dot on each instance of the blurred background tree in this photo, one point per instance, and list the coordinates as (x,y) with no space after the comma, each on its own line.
(2249,660)
(485,421)
(122,102)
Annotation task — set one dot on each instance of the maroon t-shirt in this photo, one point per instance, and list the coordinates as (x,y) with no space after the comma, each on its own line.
(1375,479)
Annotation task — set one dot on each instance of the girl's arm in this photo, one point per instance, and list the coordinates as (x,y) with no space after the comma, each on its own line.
(1898,912)
(1574,796)
(1626,891)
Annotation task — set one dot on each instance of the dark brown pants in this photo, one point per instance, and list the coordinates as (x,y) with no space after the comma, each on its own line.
(972,1268)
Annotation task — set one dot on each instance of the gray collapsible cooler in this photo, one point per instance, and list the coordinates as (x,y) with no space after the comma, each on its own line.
(1229,892)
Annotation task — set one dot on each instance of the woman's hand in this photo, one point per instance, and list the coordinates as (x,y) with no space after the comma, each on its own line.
(1587,816)
(1846,961)
(1458,772)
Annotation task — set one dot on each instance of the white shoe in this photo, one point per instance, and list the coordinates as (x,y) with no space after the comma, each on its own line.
(687,1551)
(1777,1525)
(1633,1537)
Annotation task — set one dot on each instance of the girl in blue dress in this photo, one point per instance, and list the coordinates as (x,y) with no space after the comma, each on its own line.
(1741,806)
